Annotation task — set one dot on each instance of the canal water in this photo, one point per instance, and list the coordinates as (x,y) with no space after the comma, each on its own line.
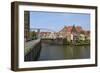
(60,52)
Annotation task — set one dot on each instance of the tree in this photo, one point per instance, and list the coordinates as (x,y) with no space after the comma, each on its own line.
(33,35)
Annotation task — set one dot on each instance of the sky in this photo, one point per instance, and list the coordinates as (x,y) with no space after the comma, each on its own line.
(55,21)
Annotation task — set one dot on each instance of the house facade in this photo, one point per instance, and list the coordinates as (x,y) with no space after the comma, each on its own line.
(73,33)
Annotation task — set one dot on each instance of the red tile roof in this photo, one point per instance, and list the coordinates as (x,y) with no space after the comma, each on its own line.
(69,28)
(79,28)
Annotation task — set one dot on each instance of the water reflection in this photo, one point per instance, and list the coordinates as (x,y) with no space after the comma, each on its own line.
(58,52)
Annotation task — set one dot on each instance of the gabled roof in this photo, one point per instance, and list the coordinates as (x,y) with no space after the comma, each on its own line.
(69,28)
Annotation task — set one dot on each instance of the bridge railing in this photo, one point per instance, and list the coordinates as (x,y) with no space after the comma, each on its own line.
(32,50)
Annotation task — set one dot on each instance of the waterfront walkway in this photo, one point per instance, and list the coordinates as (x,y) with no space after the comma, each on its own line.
(29,45)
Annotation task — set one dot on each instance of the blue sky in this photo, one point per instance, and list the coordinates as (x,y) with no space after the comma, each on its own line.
(57,20)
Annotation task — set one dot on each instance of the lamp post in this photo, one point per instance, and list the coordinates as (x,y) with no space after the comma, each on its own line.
(38,33)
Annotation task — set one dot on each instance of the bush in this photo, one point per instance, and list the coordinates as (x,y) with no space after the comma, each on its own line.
(65,41)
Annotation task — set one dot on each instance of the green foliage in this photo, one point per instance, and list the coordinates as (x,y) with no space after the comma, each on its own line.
(77,42)
(65,41)
(33,35)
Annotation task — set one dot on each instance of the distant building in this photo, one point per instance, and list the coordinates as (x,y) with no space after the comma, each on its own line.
(52,35)
(26,25)
(87,33)
(82,37)
(44,35)
(73,33)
